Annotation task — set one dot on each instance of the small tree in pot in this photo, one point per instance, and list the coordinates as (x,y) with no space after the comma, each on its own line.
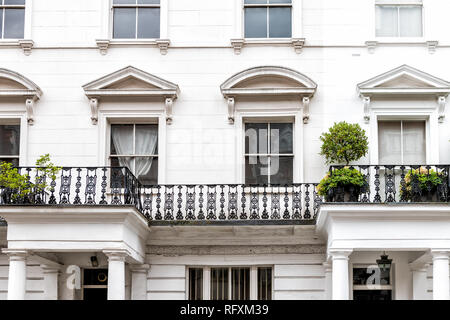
(342,144)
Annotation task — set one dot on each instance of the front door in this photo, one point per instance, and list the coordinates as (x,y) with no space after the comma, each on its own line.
(95,284)
(370,283)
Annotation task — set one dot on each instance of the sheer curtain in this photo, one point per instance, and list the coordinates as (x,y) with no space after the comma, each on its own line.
(389,142)
(414,150)
(146,143)
(386,21)
(122,137)
(410,21)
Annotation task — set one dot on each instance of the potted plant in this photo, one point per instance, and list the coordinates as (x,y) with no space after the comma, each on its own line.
(422,185)
(343,143)
(17,188)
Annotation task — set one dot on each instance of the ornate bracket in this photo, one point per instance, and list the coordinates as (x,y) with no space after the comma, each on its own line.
(163,45)
(432,45)
(237,45)
(103,45)
(442,102)
(169,107)
(231,110)
(366,101)
(298,44)
(93,103)
(29,106)
(371,45)
(26,46)
(306,101)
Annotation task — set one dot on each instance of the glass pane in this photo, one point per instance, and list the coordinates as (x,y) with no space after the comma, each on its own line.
(9,140)
(386,21)
(146,139)
(256,22)
(281,170)
(147,170)
(122,139)
(219,283)
(410,21)
(281,138)
(255,1)
(240,284)
(19,2)
(414,144)
(14,23)
(280,1)
(256,138)
(1,23)
(389,142)
(148,1)
(280,24)
(117,175)
(124,2)
(264,283)
(195,284)
(124,23)
(372,295)
(148,23)
(256,170)
(372,275)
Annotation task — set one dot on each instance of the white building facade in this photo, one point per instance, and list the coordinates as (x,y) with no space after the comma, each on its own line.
(188,136)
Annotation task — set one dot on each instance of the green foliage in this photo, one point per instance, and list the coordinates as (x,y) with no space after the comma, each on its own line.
(341,178)
(424,178)
(21,186)
(343,143)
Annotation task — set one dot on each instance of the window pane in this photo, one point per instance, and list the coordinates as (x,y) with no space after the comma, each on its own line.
(195,284)
(148,23)
(281,138)
(124,2)
(122,139)
(386,21)
(256,138)
(414,149)
(146,170)
(280,22)
(219,284)
(20,2)
(117,175)
(371,276)
(146,139)
(281,170)
(255,1)
(264,283)
(124,23)
(256,170)
(148,1)
(410,21)
(1,23)
(9,140)
(256,22)
(389,142)
(280,1)
(240,284)
(14,23)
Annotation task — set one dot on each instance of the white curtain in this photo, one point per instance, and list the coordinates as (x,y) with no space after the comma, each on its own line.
(386,21)
(411,21)
(414,150)
(146,142)
(122,137)
(389,142)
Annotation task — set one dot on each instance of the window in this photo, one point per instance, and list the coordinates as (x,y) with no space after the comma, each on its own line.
(268,18)
(136,19)
(269,158)
(230,283)
(399,21)
(135,146)
(12,19)
(10,143)
(372,283)
(401,142)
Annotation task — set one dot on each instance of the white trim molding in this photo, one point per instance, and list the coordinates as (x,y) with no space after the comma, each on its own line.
(154,87)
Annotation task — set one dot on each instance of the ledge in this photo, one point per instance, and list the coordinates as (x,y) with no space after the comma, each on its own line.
(104,44)
(297,43)
(25,44)
(232,223)
(430,44)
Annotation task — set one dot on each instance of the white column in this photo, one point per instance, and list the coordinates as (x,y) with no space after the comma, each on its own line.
(420,282)
(139,281)
(17,277)
(340,280)
(116,274)
(328,280)
(50,282)
(441,286)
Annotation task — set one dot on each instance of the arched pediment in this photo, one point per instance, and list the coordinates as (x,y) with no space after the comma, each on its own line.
(13,84)
(268,80)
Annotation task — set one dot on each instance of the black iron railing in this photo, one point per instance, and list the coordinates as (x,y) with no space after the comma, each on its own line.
(395,183)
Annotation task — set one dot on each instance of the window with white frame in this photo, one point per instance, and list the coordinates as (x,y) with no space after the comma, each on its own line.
(269,153)
(10,143)
(402,142)
(268,18)
(135,146)
(230,283)
(12,19)
(136,19)
(399,20)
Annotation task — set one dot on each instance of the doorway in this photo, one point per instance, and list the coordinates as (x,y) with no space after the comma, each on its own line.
(95,284)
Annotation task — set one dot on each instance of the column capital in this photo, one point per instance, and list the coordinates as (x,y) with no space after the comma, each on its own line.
(116,255)
(15,254)
(139,268)
(439,254)
(340,253)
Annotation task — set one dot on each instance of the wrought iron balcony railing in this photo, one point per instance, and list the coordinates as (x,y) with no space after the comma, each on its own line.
(395,183)
(114,186)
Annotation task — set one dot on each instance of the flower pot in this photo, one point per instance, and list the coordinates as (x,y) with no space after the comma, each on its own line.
(348,193)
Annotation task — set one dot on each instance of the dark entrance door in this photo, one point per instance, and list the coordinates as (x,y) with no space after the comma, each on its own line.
(95,284)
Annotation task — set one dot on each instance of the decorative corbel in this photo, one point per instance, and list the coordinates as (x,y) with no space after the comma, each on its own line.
(169,106)
(298,44)
(237,45)
(26,46)
(442,101)
(366,109)
(231,110)
(103,45)
(93,102)
(29,106)
(306,101)
(371,45)
(163,45)
(432,45)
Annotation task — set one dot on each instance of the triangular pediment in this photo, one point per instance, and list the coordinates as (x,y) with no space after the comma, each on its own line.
(404,80)
(131,81)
